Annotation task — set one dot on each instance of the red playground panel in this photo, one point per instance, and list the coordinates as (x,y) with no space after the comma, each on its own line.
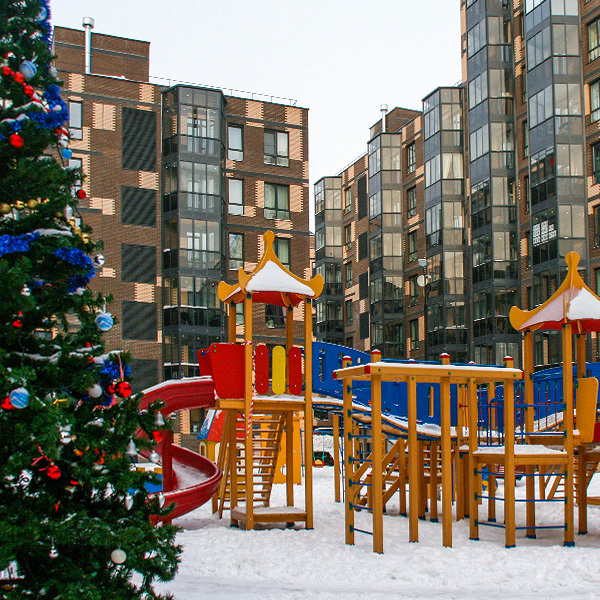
(295,370)
(261,369)
(204,362)
(227,362)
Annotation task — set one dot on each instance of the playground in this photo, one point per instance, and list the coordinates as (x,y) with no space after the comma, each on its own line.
(475,457)
(219,562)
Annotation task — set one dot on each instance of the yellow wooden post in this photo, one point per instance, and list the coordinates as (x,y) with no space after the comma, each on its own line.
(473,477)
(231,323)
(308,414)
(289,457)
(402,475)
(289,343)
(413,463)
(528,381)
(376,464)
(582,483)
(492,493)
(336,457)
(433,481)
(581,363)
(248,411)
(509,458)
(446,456)
(530,496)
(422,484)
(348,447)
(567,348)
(459,480)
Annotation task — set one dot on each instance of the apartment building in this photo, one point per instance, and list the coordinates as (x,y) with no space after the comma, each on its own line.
(181,182)
(498,180)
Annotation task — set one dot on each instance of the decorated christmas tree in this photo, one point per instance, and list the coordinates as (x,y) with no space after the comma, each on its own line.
(77,521)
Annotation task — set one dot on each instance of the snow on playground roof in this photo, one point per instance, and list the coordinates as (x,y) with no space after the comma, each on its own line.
(572,302)
(271,282)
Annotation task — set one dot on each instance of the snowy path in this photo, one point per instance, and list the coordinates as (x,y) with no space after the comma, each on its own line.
(223,563)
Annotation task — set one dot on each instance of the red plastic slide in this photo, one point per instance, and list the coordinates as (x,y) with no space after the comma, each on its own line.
(179,464)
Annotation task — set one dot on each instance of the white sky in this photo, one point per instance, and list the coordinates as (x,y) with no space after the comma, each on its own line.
(342,60)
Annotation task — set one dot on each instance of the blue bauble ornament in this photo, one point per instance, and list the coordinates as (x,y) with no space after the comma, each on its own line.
(42,15)
(104,321)
(19,398)
(28,69)
(66,153)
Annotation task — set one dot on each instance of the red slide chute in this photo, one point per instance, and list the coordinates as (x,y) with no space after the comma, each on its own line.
(181,467)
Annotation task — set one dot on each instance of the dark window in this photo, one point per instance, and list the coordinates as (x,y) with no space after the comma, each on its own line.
(596,162)
(364,325)
(235,137)
(411,158)
(236,196)
(274,316)
(594,39)
(277,148)
(348,274)
(138,207)
(414,334)
(412,246)
(411,202)
(363,246)
(596,226)
(75,120)
(139,321)
(236,250)
(349,312)
(138,263)
(144,373)
(595,101)
(139,139)
(347,200)
(413,291)
(348,237)
(363,286)
(282,249)
(277,201)
(363,203)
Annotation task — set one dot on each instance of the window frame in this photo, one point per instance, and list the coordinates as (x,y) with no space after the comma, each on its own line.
(237,262)
(411,158)
(281,213)
(412,244)
(236,154)
(595,99)
(230,204)
(76,125)
(280,156)
(278,244)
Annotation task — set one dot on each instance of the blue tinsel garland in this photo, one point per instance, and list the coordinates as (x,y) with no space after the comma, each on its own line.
(17,243)
(112,370)
(77,258)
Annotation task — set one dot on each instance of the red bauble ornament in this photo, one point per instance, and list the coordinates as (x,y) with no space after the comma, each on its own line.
(158,436)
(14,139)
(53,472)
(81,194)
(17,321)
(18,77)
(7,71)
(123,389)
(6,404)
(28,90)
(110,389)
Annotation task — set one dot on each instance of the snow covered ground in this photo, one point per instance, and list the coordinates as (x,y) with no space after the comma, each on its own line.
(219,562)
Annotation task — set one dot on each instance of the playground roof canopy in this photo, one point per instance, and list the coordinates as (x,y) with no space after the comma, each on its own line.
(270,282)
(573,302)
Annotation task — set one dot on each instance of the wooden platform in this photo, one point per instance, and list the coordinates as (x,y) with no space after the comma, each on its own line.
(270,514)
(524,455)
(266,404)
